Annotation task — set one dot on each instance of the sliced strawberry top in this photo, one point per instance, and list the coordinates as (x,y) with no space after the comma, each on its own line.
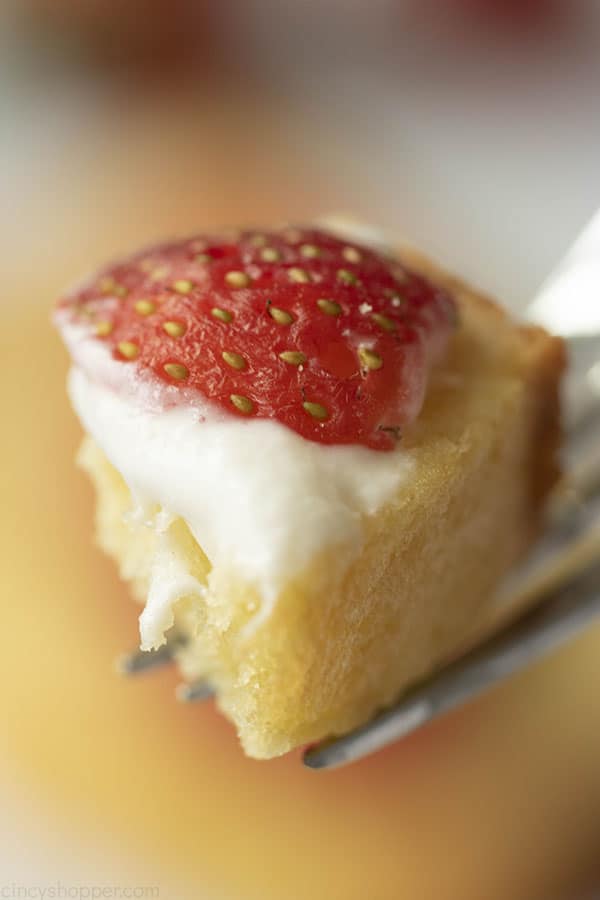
(327,337)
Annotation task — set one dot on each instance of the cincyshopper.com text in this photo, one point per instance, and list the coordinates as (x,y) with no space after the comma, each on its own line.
(59,891)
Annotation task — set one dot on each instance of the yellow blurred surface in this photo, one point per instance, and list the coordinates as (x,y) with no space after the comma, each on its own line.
(500,801)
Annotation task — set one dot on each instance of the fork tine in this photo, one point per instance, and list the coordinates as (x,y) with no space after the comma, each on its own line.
(195,692)
(564,612)
(139,661)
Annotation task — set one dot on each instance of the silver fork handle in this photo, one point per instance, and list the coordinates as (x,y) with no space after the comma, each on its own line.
(564,613)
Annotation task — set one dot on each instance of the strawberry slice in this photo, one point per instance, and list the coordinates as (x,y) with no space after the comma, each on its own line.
(329,338)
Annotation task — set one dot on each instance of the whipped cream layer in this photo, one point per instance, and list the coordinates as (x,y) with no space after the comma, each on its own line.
(259,499)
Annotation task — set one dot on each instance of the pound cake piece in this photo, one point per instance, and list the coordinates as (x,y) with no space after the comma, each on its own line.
(315,460)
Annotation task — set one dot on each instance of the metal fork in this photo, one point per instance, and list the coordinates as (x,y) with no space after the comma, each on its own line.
(564,605)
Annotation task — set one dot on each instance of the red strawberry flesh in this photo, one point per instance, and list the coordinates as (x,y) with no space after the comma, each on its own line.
(330,338)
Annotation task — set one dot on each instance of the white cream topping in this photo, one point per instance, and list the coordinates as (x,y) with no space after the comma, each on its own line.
(259,499)
(169,580)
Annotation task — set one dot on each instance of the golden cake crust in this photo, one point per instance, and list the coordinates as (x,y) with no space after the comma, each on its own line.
(543,359)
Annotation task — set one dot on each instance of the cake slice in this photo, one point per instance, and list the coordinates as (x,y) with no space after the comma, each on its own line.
(314,459)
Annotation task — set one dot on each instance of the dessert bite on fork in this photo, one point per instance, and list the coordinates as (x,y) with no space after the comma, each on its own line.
(316,456)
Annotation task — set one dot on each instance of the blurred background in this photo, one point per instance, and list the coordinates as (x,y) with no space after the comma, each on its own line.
(471,127)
